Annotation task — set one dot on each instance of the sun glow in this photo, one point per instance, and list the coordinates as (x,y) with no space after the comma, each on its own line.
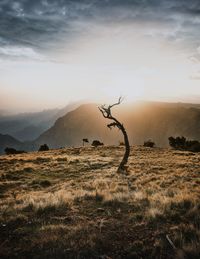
(105,63)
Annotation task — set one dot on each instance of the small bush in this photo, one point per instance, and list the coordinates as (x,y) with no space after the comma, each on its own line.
(193,146)
(45,183)
(43,148)
(149,143)
(12,151)
(177,143)
(181,143)
(97,143)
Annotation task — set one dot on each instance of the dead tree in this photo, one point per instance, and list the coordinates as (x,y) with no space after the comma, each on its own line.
(106,112)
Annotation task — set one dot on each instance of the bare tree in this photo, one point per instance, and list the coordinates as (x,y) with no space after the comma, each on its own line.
(106,112)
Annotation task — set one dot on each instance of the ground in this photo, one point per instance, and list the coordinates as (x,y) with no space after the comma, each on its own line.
(71,203)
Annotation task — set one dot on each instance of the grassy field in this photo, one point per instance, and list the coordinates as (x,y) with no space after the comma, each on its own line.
(71,203)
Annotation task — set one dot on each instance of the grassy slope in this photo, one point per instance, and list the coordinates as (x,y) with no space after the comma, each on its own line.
(70,203)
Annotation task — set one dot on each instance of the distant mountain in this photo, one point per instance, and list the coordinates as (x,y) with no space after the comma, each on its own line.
(84,122)
(28,126)
(30,132)
(9,141)
(4,113)
(143,121)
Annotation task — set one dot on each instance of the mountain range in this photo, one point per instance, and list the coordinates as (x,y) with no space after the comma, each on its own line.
(142,120)
(28,126)
(9,141)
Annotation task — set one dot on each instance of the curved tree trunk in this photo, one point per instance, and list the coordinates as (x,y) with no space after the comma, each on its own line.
(127,151)
(106,112)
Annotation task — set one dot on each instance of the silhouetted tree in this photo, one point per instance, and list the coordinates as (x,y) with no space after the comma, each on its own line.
(85,140)
(97,143)
(106,112)
(43,148)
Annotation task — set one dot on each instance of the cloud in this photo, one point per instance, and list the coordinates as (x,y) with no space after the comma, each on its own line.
(20,52)
(46,24)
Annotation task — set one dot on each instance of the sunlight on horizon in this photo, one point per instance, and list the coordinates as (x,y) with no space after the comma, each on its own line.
(108,62)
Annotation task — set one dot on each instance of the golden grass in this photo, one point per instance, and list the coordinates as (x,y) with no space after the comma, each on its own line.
(71,203)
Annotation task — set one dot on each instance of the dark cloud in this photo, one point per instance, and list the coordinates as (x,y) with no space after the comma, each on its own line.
(40,24)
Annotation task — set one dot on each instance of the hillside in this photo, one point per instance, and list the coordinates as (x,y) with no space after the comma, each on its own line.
(70,203)
(143,121)
(9,141)
(28,126)
(85,121)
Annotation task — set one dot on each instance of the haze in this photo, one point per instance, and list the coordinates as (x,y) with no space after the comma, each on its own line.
(55,52)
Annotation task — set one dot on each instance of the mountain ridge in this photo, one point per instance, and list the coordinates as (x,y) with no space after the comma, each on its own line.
(155,121)
(142,120)
(28,126)
(9,141)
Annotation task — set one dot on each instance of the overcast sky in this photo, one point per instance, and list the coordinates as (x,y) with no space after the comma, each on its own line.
(53,52)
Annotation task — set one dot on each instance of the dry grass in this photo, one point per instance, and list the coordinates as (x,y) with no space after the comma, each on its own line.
(71,203)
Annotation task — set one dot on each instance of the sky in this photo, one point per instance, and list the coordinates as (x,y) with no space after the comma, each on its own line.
(56,52)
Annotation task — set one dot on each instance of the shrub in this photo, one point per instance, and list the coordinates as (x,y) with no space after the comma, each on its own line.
(45,183)
(178,142)
(97,143)
(193,146)
(181,143)
(11,151)
(149,143)
(43,148)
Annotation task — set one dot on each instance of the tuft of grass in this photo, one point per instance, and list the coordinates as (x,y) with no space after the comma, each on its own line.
(46,202)
(43,159)
(62,159)
(28,169)
(45,183)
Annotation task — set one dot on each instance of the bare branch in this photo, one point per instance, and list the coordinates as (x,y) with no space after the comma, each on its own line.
(119,101)
(113,124)
(103,112)
(106,111)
